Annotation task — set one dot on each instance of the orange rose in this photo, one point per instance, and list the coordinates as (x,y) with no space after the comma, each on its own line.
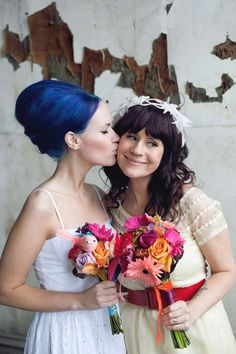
(160,253)
(101,254)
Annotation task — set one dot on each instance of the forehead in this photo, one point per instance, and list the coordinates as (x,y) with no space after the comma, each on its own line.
(101,117)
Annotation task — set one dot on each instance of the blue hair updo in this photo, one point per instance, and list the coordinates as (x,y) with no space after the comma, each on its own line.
(49,109)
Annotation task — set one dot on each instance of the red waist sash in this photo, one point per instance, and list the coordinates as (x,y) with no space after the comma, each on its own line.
(147,297)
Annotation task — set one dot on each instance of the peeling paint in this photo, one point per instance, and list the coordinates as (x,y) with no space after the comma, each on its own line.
(168,7)
(226,83)
(51,46)
(15,50)
(174,94)
(50,37)
(225,50)
(197,94)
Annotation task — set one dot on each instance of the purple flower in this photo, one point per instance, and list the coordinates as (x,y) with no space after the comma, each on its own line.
(82,259)
(84,229)
(147,239)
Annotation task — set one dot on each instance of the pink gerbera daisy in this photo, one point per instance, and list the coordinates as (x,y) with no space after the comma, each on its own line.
(135,222)
(145,270)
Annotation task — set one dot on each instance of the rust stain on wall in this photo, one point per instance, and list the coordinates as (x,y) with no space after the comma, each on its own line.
(50,37)
(51,46)
(225,50)
(13,48)
(198,94)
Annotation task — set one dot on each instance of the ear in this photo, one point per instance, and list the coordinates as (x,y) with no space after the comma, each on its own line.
(72,140)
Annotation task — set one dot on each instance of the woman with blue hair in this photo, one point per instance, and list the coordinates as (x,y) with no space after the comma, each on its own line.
(74,128)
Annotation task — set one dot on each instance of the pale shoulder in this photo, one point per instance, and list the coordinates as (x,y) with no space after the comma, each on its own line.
(36,210)
(192,192)
(32,228)
(186,187)
(38,201)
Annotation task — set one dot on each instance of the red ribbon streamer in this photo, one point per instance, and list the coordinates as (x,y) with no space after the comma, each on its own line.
(163,286)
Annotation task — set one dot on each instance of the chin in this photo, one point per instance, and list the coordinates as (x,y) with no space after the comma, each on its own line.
(130,174)
(111,163)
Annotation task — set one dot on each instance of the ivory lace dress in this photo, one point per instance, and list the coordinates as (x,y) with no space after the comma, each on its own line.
(201,220)
(68,332)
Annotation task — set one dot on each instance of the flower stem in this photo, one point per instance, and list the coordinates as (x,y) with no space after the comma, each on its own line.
(180,339)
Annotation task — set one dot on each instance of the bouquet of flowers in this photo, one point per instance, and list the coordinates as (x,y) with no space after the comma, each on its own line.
(91,255)
(149,251)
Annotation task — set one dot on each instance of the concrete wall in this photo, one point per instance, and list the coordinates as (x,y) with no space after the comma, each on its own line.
(193,28)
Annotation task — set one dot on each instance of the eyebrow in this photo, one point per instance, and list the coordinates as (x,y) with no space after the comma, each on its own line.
(106,125)
(154,139)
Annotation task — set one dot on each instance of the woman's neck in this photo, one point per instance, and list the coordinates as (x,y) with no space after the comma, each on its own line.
(136,196)
(69,176)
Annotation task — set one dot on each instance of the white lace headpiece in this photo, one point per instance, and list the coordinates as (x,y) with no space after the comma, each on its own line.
(179,119)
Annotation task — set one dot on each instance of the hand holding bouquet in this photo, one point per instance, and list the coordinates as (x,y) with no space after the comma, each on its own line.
(149,251)
(91,255)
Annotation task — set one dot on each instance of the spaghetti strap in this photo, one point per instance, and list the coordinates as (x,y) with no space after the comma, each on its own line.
(100,198)
(54,204)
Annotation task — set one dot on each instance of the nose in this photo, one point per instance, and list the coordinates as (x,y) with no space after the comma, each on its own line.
(115,137)
(137,149)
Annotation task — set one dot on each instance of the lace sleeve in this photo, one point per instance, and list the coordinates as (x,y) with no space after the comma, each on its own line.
(204,214)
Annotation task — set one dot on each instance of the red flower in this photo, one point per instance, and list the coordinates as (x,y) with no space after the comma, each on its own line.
(74,252)
(123,253)
(122,244)
(125,259)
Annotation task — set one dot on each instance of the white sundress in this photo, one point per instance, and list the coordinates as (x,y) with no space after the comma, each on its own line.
(68,332)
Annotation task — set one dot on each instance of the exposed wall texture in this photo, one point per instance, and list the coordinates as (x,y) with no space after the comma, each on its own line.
(50,44)
(182,50)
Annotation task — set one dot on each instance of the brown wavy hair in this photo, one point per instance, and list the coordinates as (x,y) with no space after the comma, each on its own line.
(165,188)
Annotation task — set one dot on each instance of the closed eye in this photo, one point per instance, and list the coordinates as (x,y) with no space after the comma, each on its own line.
(105,128)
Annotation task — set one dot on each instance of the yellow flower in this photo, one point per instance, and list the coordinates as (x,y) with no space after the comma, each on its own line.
(93,269)
(90,268)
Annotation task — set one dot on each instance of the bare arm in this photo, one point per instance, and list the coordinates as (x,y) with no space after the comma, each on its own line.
(34,225)
(219,255)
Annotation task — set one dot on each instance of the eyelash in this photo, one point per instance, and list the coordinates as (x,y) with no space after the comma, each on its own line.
(130,136)
(104,131)
(152,143)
